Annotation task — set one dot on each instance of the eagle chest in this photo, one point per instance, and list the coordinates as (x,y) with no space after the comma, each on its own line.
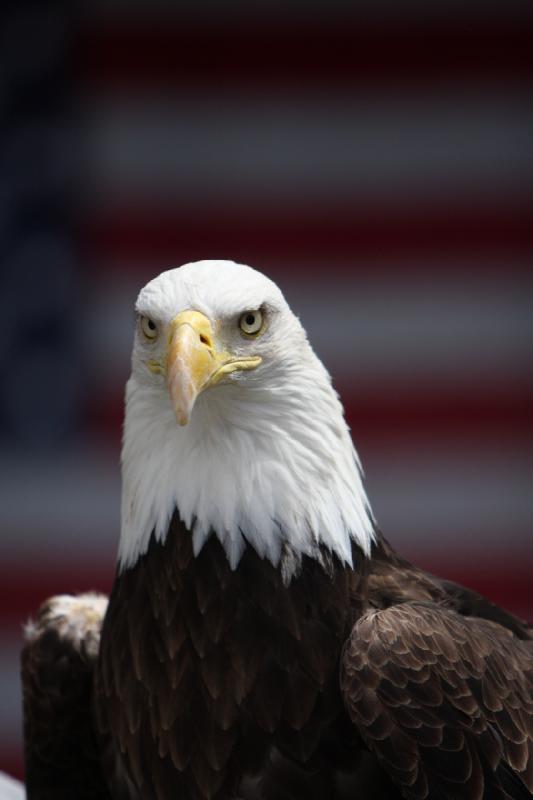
(204,670)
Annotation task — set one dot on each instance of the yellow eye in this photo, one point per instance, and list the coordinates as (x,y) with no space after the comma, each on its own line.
(148,327)
(251,322)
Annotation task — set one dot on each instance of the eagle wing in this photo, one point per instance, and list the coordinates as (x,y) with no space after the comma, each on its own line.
(445,702)
(64,756)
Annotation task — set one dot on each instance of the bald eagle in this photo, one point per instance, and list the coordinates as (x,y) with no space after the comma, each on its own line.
(262,638)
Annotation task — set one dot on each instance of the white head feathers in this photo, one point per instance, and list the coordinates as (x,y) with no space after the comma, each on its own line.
(266,457)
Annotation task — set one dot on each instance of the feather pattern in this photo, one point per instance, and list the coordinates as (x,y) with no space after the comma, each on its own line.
(250,704)
(218,684)
(444,701)
(261,674)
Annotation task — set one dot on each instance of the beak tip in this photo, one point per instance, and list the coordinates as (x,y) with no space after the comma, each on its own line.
(182,418)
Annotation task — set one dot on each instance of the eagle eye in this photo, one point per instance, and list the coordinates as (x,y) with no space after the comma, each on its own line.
(149,328)
(251,322)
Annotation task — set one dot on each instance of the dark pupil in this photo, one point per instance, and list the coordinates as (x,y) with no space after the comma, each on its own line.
(250,319)
(151,325)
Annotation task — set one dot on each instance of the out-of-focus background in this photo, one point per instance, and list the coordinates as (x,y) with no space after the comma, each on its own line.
(374,158)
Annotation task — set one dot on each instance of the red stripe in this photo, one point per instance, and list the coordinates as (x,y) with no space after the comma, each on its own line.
(509,585)
(454,414)
(309,230)
(330,50)
(495,413)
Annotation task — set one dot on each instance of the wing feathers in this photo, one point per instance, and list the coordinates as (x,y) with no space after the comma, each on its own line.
(62,752)
(445,702)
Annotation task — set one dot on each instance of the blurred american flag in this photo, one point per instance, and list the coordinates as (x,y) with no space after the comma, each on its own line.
(375,159)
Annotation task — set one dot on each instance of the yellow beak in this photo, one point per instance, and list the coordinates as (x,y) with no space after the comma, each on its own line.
(193,363)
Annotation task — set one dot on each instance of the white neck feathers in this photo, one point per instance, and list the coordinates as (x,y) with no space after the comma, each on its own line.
(259,465)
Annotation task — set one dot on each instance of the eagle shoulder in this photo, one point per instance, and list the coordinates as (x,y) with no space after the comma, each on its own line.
(445,702)
(63,754)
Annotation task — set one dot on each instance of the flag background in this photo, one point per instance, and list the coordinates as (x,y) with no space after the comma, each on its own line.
(375,159)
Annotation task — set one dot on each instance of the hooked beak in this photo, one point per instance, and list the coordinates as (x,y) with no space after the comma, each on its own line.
(193,363)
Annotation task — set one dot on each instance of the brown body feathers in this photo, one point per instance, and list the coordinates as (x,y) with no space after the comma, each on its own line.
(374,682)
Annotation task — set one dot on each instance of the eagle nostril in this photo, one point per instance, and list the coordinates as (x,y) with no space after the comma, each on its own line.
(204,339)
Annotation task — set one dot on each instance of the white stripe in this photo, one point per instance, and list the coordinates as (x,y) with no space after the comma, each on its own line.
(439,499)
(211,146)
(65,506)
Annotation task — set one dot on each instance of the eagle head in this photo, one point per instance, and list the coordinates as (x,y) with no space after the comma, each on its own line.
(231,420)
